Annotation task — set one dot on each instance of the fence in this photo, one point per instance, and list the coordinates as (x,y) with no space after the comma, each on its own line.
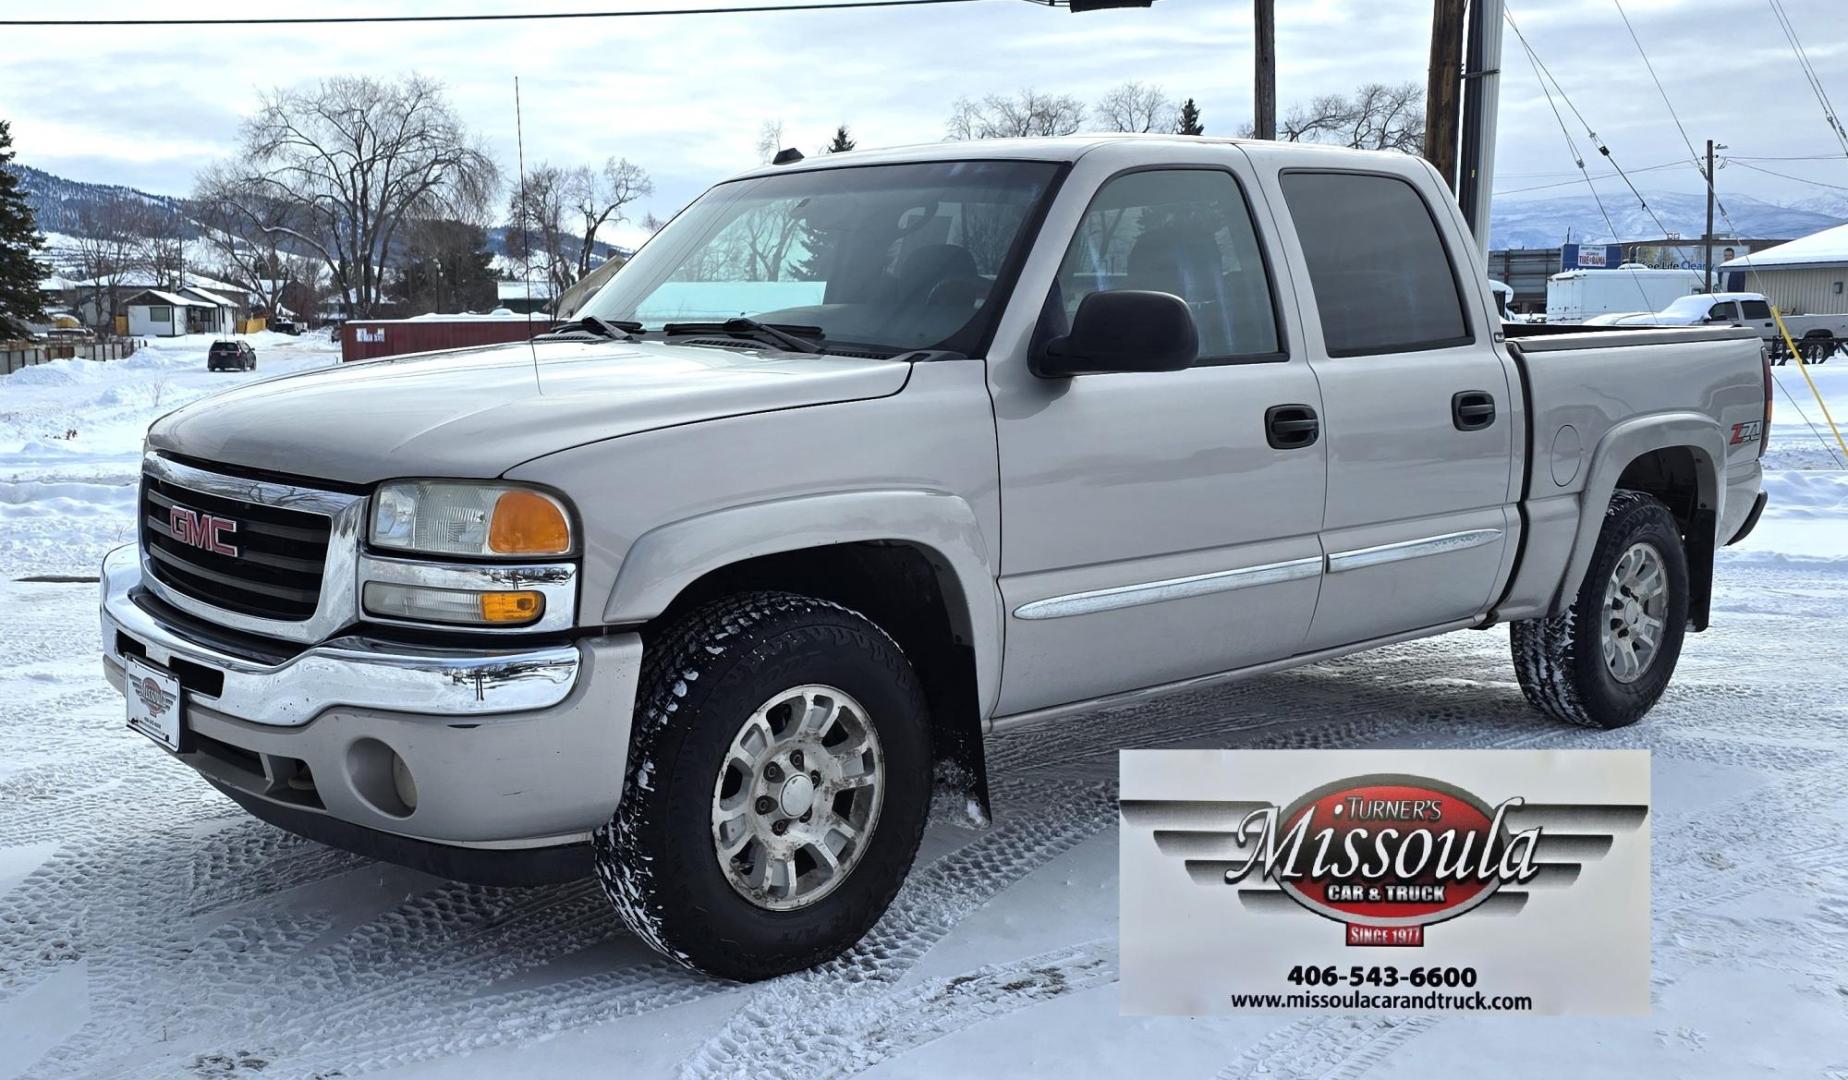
(15,355)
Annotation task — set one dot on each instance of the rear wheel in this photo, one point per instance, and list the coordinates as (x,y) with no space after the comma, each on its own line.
(777,786)
(1606,660)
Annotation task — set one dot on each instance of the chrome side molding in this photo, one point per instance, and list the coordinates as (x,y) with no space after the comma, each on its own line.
(1154,592)
(1360,558)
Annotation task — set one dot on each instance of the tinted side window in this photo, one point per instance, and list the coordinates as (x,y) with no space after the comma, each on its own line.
(1720,311)
(1182,231)
(1382,279)
(1756,309)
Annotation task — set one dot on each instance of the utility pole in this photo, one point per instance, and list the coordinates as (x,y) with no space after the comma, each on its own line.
(1481,107)
(1706,260)
(1444,88)
(1264,92)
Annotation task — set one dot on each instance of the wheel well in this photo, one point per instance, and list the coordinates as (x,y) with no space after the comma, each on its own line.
(1673,475)
(911,592)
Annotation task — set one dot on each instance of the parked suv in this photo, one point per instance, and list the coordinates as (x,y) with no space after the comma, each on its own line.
(231,356)
(862,458)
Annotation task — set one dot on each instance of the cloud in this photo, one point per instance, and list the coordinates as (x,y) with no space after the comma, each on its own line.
(684,96)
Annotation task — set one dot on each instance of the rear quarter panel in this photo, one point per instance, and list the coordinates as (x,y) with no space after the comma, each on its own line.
(1601,399)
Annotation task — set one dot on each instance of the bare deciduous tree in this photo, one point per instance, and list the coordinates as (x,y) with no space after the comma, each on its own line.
(769,140)
(108,244)
(601,197)
(1376,117)
(1138,107)
(355,159)
(1028,112)
(536,213)
(241,225)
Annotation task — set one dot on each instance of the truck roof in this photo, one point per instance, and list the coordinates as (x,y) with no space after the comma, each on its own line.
(1051,148)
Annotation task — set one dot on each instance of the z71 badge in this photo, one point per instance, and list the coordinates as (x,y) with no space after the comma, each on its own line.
(1387,855)
(1749,431)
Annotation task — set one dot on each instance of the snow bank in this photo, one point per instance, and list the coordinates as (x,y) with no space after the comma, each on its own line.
(70,441)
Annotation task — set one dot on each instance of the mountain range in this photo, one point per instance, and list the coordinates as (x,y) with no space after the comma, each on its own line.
(58,205)
(1518,223)
(1549,222)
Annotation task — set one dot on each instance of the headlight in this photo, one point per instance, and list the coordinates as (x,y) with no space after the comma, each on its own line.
(445,517)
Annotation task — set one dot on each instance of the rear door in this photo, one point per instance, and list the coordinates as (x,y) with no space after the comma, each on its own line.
(1418,413)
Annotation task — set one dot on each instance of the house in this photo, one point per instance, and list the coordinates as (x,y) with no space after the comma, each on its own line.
(110,293)
(518,296)
(1803,277)
(187,310)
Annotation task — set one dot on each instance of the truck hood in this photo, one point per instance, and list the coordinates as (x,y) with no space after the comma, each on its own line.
(479,412)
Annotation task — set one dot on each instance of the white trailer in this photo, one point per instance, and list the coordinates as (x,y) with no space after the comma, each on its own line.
(1578,295)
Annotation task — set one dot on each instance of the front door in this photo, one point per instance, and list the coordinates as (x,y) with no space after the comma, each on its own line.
(1418,414)
(1154,527)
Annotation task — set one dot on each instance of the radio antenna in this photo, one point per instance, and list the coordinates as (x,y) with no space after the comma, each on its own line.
(526,242)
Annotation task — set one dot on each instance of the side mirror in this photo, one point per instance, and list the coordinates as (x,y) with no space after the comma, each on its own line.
(1123,330)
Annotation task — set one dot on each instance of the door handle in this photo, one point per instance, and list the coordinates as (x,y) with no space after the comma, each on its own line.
(1291,427)
(1472,410)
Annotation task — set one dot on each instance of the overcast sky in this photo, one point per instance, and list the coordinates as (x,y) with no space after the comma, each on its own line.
(684,96)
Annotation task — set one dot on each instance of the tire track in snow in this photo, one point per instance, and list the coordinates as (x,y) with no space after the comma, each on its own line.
(772,1034)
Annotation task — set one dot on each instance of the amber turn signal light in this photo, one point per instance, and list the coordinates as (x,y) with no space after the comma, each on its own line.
(511,607)
(528,523)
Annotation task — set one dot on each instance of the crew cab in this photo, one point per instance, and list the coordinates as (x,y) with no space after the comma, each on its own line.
(862,459)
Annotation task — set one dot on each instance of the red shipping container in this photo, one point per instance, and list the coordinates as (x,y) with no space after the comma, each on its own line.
(369,339)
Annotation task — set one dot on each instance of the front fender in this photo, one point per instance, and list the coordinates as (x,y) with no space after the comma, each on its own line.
(668,558)
(1623,444)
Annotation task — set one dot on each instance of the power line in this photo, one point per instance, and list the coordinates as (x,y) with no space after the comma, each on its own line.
(1675,164)
(1785,175)
(1640,51)
(1578,159)
(521,16)
(1546,75)
(1809,73)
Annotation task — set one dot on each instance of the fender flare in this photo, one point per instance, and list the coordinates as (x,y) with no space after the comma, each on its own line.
(1624,443)
(668,558)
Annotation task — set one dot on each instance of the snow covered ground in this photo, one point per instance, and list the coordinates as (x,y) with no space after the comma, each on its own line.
(149,929)
(70,441)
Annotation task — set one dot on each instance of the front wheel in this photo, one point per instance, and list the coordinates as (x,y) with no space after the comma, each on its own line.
(777,786)
(1609,657)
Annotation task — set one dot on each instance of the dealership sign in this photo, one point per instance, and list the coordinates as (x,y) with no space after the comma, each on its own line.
(1280,879)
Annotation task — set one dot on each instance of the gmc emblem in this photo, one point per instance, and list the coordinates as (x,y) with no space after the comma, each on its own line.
(203,531)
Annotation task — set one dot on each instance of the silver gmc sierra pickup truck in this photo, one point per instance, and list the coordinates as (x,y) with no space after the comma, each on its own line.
(863,458)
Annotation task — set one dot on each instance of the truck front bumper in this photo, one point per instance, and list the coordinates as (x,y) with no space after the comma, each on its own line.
(481,750)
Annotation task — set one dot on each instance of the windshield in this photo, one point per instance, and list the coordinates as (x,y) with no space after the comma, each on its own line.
(884,258)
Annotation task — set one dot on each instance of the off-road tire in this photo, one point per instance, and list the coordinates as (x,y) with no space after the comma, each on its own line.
(701,677)
(1559,660)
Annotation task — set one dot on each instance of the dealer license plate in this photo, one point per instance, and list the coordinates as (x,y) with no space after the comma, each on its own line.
(153,702)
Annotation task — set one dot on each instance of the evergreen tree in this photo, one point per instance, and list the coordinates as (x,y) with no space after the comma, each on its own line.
(842,141)
(1189,122)
(20,273)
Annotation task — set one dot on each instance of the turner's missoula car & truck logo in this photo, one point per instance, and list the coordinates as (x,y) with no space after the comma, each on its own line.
(1391,856)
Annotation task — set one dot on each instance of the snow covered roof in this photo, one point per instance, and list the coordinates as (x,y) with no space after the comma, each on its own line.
(209,297)
(167,298)
(517,290)
(141,279)
(57,283)
(1819,248)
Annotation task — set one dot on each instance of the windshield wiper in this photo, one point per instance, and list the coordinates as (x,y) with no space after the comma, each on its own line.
(615,330)
(783,335)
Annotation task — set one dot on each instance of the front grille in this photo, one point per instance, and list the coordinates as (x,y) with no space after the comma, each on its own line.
(281,553)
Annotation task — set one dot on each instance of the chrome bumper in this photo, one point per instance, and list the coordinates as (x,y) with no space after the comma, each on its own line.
(353,672)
